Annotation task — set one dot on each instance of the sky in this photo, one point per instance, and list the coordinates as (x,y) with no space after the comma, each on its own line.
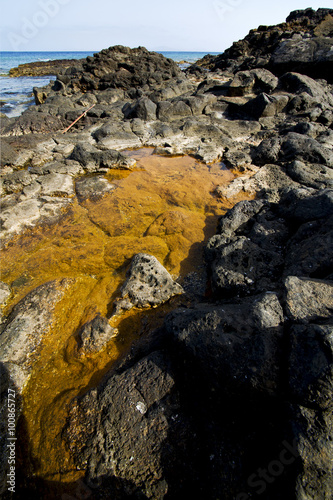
(171,25)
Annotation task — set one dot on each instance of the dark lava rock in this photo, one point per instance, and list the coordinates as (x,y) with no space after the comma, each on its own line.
(312,175)
(307,300)
(22,333)
(122,432)
(302,44)
(292,147)
(33,122)
(264,105)
(144,108)
(44,68)
(237,346)
(121,67)
(256,80)
(92,187)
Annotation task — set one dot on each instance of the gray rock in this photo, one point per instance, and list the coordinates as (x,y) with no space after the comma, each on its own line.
(148,284)
(16,181)
(95,334)
(33,122)
(255,80)
(308,300)
(304,205)
(305,55)
(8,153)
(313,430)
(92,187)
(268,151)
(313,175)
(309,252)
(241,266)
(94,159)
(23,332)
(264,105)
(310,368)
(292,147)
(115,134)
(144,108)
(238,217)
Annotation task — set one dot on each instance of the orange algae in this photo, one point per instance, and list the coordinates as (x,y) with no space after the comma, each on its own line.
(166,208)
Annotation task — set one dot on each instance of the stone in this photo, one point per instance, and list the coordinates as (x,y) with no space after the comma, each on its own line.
(22,334)
(313,175)
(148,284)
(16,181)
(298,83)
(264,105)
(310,369)
(124,452)
(8,154)
(236,346)
(95,334)
(144,108)
(304,55)
(33,122)
(256,80)
(238,217)
(94,159)
(23,214)
(313,430)
(308,300)
(309,252)
(92,187)
(267,151)
(5,292)
(291,147)
(56,185)
(116,135)
(240,266)
(306,206)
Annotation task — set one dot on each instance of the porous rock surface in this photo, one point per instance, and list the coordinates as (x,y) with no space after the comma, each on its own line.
(232,397)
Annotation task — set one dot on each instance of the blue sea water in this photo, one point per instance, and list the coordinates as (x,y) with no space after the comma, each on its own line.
(16,93)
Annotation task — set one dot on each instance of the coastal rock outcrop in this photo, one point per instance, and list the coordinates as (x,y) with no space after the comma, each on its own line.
(22,334)
(231,395)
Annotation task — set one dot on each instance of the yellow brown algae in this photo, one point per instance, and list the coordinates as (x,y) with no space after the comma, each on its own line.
(166,208)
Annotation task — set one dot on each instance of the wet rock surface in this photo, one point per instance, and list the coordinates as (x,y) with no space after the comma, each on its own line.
(231,396)
(22,334)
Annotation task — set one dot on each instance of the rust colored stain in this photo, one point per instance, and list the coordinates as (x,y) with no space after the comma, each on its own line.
(165,207)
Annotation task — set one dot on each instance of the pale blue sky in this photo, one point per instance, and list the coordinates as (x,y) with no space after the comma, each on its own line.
(189,25)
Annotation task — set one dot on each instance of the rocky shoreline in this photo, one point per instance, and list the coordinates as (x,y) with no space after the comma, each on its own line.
(231,396)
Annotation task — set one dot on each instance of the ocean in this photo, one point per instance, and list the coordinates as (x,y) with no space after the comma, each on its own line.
(16,93)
